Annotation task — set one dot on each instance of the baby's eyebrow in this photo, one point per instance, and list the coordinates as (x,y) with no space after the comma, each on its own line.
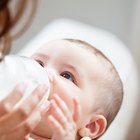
(40,56)
(75,69)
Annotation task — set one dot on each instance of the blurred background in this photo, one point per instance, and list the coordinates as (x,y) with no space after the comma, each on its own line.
(120,17)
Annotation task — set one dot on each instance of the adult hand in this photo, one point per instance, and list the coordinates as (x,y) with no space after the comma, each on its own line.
(17,123)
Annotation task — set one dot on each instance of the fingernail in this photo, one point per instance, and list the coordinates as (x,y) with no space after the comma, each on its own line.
(43,87)
(75,100)
(45,105)
(52,101)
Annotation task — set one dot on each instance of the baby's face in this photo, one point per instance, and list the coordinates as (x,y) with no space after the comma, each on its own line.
(77,70)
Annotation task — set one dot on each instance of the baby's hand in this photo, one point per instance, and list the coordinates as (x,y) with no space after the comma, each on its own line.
(62,121)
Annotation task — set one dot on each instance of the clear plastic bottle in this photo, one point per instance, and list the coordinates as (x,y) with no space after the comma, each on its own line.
(17,69)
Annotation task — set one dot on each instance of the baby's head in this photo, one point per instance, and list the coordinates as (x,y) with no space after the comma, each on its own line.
(82,72)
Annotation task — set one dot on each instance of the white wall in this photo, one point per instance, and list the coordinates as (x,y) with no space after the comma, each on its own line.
(113,15)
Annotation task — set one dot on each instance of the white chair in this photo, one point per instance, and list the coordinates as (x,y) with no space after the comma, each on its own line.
(114,49)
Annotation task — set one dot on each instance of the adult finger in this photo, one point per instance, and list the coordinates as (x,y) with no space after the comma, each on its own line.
(7,104)
(22,131)
(23,111)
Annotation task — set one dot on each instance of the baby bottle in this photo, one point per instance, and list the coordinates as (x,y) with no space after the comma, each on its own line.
(17,69)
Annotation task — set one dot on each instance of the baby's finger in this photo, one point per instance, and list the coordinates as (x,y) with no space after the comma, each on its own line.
(55,125)
(77,110)
(63,107)
(58,114)
(8,103)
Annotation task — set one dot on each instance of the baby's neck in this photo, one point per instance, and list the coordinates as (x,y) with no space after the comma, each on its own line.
(37,137)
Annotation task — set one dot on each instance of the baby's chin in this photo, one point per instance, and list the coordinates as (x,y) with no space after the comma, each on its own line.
(43,129)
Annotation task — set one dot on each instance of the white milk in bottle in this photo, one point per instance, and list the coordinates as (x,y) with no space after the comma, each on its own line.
(17,69)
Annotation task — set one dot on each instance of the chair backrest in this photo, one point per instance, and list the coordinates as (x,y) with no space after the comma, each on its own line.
(114,49)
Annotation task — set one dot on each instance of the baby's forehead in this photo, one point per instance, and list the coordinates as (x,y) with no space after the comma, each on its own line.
(91,52)
(73,48)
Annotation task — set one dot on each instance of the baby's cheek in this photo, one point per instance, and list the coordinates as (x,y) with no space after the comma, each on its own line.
(85,112)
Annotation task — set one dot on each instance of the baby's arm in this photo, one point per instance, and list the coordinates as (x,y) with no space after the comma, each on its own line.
(62,121)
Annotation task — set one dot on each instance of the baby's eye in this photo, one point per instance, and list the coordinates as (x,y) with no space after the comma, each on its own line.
(40,63)
(67,75)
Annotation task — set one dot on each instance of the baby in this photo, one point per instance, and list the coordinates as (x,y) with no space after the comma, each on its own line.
(86,91)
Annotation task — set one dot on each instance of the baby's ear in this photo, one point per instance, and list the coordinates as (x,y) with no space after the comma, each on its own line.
(95,128)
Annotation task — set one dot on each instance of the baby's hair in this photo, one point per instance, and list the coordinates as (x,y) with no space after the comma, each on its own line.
(112,93)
